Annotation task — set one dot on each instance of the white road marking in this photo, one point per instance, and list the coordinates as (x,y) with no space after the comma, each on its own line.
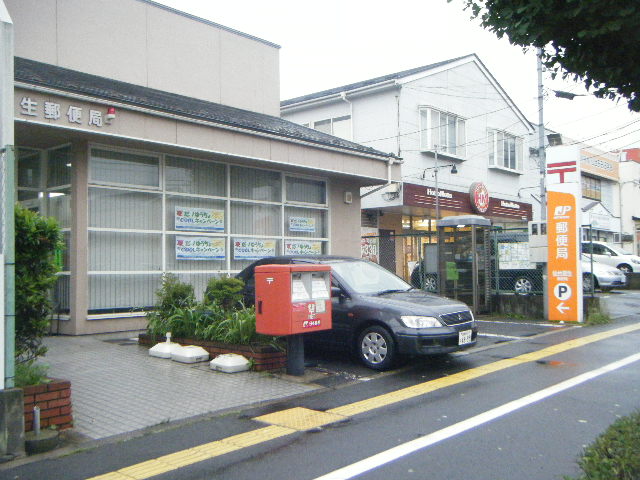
(499,336)
(400,451)
(553,325)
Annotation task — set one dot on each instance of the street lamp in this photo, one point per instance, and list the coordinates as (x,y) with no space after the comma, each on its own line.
(435,169)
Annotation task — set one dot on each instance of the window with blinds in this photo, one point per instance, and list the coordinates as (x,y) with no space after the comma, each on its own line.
(150,214)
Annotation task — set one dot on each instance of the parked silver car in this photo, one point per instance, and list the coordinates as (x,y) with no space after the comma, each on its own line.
(604,277)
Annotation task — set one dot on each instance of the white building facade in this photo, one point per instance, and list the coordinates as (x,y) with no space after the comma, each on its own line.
(453,113)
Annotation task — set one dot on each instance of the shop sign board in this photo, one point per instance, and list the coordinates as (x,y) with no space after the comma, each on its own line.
(369,247)
(479,196)
(563,234)
(199,219)
(200,248)
(35,107)
(253,249)
(302,224)
(300,247)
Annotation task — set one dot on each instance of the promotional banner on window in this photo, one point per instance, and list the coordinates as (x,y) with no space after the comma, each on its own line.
(253,249)
(300,247)
(302,224)
(199,219)
(200,248)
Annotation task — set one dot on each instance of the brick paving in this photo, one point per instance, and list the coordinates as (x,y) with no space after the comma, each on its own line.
(116,387)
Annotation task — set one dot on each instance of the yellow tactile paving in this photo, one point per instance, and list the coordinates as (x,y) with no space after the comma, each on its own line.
(112,476)
(297,419)
(300,418)
(258,436)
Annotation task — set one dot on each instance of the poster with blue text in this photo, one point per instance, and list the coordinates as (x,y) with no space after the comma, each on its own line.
(200,248)
(199,219)
(253,249)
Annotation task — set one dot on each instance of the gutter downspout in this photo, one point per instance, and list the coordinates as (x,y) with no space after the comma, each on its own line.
(343,96)
(390,162)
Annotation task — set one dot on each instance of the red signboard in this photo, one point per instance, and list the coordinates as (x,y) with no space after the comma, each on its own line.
(479,196)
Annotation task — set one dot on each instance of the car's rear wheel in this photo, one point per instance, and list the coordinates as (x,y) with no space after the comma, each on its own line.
(430,283)
(376,348)
(523,286)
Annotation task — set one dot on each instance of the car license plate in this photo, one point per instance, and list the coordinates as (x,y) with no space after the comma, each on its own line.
(464,336)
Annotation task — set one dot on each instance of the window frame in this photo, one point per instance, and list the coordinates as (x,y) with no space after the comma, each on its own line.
(427,132)
(331,121)
(591,187)
(496,139)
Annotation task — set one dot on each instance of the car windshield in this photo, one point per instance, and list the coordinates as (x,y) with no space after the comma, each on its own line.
(369,278)
(618,250)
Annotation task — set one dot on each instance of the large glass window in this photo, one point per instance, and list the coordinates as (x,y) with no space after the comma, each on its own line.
(306,190)
(305,222)
(124,168)
(253,184)
(255,219)
(505,150)
(124,209)
(204,219)
(195,176)
(44,186)
(442,131)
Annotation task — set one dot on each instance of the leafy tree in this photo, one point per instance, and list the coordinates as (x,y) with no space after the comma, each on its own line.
(37,240)
(593,41)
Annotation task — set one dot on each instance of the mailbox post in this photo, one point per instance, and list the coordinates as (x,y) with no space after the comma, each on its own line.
(292,300)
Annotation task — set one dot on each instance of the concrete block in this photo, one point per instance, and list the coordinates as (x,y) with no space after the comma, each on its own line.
(11,423)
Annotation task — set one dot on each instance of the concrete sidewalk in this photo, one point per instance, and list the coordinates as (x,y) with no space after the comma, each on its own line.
(118,388)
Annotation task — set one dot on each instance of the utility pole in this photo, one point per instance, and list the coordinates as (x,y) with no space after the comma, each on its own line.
(541,132)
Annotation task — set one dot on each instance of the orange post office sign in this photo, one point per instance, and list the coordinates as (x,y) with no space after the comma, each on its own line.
(564,270)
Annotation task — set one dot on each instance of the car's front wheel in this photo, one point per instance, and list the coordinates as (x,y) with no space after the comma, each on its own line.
(625,268)
(376,348)
(523,286)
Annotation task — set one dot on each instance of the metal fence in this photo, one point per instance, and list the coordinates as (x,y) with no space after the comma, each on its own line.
(503,260)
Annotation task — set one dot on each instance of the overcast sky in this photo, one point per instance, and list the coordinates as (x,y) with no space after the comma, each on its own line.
(336,42)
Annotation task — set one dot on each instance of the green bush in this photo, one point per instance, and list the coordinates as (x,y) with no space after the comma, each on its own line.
(220,317)
(37,239)
(30,373)
(174,294)
(615,454)
(226,292)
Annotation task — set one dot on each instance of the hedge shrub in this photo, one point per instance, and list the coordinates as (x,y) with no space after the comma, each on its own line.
(615,454)
(37,240)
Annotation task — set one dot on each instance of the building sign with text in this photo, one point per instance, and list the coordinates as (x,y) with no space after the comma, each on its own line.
(563,234)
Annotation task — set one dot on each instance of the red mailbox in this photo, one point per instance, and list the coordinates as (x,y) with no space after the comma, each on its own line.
(292,299)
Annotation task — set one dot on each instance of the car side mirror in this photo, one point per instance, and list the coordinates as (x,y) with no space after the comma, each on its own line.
(336,292)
